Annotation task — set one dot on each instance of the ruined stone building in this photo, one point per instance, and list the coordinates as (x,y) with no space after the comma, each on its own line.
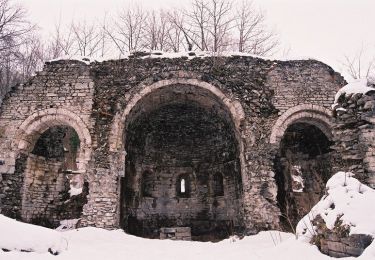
(221,145)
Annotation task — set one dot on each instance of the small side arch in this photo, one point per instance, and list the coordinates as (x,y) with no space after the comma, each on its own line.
(305,113)
(32,127)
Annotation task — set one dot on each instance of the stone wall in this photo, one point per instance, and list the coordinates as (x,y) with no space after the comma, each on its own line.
(337,242)
(307,81)
(258,98)
(355,135)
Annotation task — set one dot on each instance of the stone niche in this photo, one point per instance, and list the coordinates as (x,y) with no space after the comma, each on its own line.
(182,166)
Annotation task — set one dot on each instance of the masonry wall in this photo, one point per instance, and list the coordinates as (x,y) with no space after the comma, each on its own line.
(61,86)
(303,82)
(355,135)
(98,93)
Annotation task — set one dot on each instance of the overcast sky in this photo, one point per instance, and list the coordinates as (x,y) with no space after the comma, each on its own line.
(321,29)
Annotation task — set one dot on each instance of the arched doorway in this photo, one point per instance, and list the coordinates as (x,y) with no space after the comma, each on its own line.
(53,188)
(303,163)
(182,166)
(52,148)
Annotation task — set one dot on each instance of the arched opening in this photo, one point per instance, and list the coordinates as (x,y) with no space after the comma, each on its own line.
(302,167)
(183,134)
(53,188)
(147,183)
(218,184)
(183,186)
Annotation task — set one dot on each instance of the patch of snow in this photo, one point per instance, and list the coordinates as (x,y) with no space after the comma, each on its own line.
(68,224)
(348,198)
(156,54)
(15,235)
(357,86)
(298,180)
(160,54)
(74,191)
(85,59)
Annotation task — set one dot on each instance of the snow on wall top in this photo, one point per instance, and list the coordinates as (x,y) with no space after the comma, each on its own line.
(172,55)
(358,86)
(158,54)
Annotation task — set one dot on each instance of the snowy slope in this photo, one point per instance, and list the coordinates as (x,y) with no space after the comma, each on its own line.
(351,198)
(99,244)
(16,235)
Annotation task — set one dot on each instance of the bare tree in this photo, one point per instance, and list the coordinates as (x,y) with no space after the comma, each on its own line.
(14,29)
(13,25)
(129,29)
(31,56)
(87,38)
(197,23)
(61,42)
(174,41)
(152,31)
(179,32)
(360,65)
(215,25)
(220,23)
(160,33)
(252,35)
(206,24)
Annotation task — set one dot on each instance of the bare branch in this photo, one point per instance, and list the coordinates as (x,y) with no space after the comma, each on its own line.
(360,65)
(252,35)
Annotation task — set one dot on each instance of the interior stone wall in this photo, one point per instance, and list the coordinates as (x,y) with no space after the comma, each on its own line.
(45,191)
(181,140)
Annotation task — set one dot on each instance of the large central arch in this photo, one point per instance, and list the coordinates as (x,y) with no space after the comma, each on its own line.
(183,165)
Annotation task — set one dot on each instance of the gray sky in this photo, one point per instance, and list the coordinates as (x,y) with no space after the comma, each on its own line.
(321,29)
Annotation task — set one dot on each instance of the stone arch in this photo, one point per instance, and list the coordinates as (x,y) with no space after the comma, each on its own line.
(118,126)
(32,127)
(167,95)
(305,113)
(303,163)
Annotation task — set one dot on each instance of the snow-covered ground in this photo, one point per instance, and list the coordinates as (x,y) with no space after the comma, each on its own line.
(99,244)
(351,198)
